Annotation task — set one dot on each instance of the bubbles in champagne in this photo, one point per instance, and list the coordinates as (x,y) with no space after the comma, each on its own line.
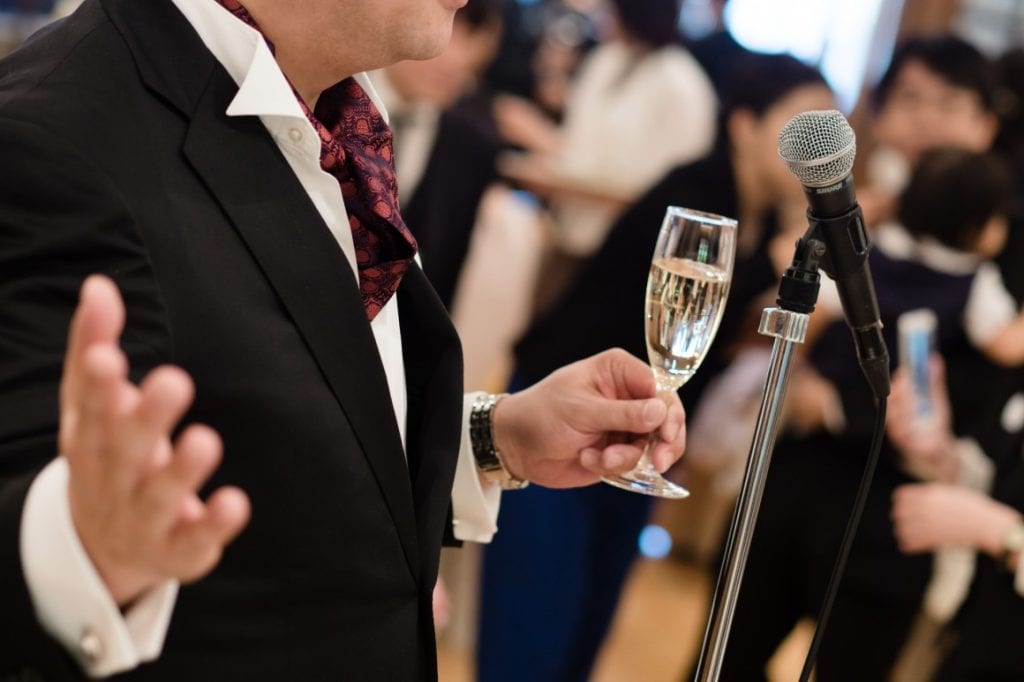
(685,300)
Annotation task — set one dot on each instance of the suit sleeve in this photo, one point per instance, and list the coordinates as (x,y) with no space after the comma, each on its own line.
(61,219)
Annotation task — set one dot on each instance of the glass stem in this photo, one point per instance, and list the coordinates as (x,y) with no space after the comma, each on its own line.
(645,463)
(666,392)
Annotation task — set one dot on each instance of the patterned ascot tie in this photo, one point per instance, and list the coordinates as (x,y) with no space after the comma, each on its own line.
(356,149)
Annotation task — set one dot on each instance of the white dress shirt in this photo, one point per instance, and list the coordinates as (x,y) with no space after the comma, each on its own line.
(70,599)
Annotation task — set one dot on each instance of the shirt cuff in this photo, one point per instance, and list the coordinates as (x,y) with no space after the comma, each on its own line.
(71,601)
(1018,579)
(952,572)
(475,504)
(990,307)
(976,469)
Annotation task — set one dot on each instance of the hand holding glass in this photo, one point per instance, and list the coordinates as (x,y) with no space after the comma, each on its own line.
(686,291)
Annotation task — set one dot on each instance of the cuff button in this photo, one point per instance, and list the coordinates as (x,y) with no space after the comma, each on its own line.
(90,645)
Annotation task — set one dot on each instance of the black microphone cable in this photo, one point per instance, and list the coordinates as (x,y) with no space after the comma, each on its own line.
(848,537)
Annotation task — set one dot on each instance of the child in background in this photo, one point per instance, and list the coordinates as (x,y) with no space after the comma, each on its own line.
(952,223)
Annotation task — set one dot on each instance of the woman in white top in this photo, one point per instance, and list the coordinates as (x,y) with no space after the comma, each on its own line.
(641,105)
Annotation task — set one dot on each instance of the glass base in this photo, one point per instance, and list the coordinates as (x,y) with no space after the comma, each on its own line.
(653,484)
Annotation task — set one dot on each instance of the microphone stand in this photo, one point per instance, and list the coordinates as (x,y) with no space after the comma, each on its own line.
(787,323)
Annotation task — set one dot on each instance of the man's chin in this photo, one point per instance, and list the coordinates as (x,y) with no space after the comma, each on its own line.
(430,46)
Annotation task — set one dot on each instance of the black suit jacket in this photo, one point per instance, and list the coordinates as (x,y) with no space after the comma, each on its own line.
(117,157)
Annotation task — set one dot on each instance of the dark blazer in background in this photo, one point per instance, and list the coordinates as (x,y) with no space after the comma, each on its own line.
(443,209)
(117,157)
(987,627)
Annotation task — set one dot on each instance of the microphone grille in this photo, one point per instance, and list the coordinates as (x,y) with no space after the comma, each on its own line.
(819,147)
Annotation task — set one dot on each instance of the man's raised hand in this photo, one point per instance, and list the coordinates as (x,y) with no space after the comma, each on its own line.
(132,491)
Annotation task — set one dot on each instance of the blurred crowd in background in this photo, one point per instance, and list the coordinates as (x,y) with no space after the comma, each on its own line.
(536,157)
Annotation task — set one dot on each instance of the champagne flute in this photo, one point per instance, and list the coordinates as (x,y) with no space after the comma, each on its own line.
(686,291)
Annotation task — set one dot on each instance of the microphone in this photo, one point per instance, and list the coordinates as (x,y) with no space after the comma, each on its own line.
(819,147)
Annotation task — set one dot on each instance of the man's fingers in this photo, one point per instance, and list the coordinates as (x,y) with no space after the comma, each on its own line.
(668,452)
(89,421)
(673,428)
(165,395)
(631,376)
(617,458)
(99,318)
(630,416)
(197,546)
(196,455)
(167,494)
(222,518)
(227,512)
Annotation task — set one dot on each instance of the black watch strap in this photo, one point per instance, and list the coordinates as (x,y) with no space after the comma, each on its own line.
(481,438)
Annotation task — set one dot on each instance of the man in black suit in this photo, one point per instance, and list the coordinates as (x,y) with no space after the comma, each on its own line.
(166,145)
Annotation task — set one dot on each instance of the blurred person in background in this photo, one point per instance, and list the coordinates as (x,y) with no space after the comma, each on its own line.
(20,19)
(511,70)
(982,642)
(444,157)
(717,51)
(640,105)
(480,241)
(62,8)
(970,624)
(952,222)
(563,559)
(940,90)
(541,48)
(1009,105)
(937,91)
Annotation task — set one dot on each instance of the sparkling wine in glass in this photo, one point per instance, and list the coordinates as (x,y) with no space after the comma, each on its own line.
(686,292)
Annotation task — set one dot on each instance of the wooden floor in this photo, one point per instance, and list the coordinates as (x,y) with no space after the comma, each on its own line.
(656,633)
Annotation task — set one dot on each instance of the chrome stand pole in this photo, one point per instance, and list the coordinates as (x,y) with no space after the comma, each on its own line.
(788,328)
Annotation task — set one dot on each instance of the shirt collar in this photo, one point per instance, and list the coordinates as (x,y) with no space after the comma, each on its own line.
(394,102)
(263,88)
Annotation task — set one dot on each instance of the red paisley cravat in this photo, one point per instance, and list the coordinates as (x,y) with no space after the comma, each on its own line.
(356,149)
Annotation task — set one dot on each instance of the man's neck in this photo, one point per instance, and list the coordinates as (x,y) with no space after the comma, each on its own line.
(296,49)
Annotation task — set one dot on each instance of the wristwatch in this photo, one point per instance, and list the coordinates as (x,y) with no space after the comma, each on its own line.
(481,438)
(1013,544)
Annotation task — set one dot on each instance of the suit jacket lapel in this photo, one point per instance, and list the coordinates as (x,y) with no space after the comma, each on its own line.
(256,188)
(433,373)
